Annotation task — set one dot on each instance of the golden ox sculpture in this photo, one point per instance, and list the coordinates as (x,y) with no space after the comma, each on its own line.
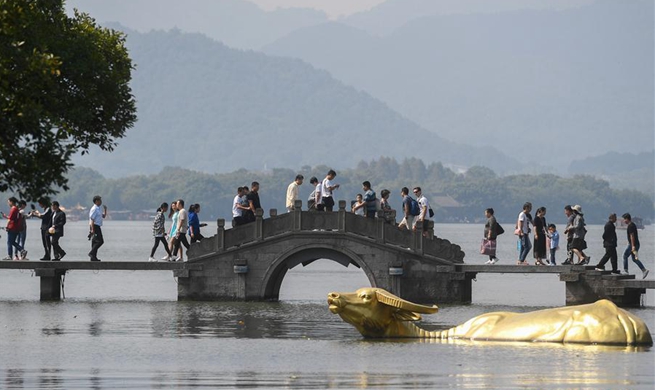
(376,313)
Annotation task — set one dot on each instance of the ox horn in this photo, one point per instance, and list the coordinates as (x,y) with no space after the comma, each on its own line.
(389,299)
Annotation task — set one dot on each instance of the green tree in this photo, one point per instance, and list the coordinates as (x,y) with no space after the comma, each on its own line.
(63,88)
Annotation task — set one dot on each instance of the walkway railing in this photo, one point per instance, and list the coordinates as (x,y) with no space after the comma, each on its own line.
(319,223)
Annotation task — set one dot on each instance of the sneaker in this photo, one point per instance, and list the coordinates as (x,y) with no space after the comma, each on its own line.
(488,262)
(599,269)
(616,272)
(494,260)
(23,254)
(151,259)
(8,258)
(547,262)
(178,258)
(645,273)
(626,272)
(166,258)
(567,262)
(16,258)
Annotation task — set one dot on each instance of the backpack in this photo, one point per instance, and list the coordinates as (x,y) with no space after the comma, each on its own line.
(414,209)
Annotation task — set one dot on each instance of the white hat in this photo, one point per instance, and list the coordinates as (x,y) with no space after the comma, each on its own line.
(577,208)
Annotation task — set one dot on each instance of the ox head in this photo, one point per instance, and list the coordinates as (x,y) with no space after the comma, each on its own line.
(376,312)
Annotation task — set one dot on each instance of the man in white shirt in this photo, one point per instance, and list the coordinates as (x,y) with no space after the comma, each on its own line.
(96,215)
(238,207)
(180,231)
(424,215)
(326,190)
(292,192)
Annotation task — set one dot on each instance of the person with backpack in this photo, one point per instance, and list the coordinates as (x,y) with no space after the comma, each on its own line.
(13,229)
(491,231)
(410,210)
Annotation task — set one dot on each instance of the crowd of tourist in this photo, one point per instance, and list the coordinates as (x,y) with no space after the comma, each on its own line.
(543,239)
(533,233)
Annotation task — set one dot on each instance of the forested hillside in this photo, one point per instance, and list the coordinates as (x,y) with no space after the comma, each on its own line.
(475,190)
(206,107)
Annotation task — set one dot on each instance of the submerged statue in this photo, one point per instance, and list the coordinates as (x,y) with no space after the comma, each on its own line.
(376,313)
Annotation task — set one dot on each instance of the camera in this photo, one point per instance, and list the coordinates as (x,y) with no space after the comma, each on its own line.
(89,236)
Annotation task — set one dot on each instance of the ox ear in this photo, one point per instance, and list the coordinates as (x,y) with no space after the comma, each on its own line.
(388,298)
(404,315)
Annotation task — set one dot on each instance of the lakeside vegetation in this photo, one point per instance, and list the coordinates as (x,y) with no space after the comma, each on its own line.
(472,191)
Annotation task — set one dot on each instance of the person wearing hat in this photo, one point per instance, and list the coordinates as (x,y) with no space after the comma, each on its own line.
(96,215)
(632,250)
(578,245)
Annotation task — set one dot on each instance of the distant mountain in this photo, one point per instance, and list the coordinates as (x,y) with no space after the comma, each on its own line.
(237,23)
(622,170)
(543,86)
(391,14)
(206,107)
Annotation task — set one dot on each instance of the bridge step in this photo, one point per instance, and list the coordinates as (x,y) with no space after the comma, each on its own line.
(610,276)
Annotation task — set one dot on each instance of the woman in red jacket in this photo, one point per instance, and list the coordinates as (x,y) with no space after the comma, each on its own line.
(13,229)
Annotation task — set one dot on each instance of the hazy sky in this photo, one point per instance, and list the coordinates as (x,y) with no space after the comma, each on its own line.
(333,8)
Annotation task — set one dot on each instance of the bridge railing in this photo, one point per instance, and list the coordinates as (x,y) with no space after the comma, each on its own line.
(377,230)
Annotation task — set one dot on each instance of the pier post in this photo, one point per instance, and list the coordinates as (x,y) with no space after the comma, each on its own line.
(418,239)
(219,244)
(342,216)
(297,215)
(379,222)
(50,283)
(240,267)
(259,221)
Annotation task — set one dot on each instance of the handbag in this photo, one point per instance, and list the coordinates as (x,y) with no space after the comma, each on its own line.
(488,247)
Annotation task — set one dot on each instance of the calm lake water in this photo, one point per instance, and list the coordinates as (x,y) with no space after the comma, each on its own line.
(125,330)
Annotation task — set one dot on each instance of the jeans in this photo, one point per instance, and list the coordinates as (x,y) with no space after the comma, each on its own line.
(628,253)
(526,245)
(552,255)
(13,242)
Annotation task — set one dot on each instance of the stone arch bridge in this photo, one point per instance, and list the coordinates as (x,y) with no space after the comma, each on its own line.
(249,262)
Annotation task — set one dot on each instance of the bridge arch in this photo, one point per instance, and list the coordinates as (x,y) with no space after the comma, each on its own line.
(306,254)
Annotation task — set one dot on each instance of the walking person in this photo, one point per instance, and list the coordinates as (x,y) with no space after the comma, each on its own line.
(194,223)
(491,233)
(578,244)
(292,192)
(523,229)
(568,230)
(385,206)
(539,224)
(632,250)
(238,208)
(172,240)
(370,199)
(327,186)
(253,201)
(425,211)
(180,231)
(358,206)
(22,234)
(13,229)
(159,232)
(57,231)
(553,235)
(410,209)
(96,215)
(609,243)
(315,196)
(46,223)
